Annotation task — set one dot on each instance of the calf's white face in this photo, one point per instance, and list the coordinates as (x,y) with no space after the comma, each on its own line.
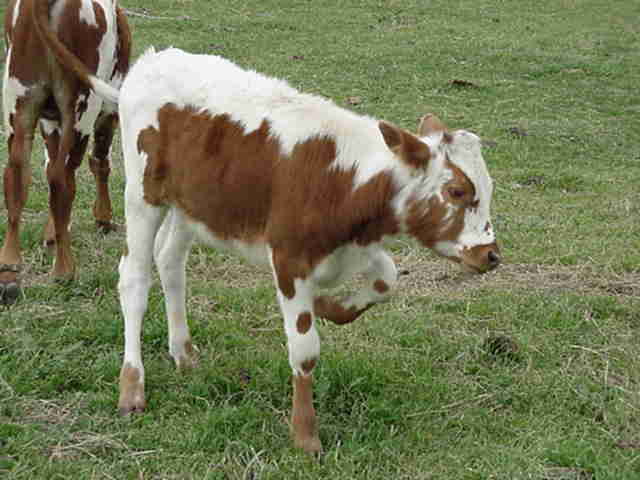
(448,207)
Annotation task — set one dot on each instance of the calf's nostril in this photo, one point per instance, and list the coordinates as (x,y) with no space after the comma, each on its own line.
(493,257)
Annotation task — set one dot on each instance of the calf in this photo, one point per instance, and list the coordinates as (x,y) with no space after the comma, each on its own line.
(58,53)
(310,189)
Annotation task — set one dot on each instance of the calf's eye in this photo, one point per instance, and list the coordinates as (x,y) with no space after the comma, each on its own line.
(456,192)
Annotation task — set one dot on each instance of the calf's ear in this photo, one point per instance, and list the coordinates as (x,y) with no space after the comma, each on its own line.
(392,135)
(411,149)
(430,124)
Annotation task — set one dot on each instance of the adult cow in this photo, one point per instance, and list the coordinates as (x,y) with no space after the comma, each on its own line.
(246,161)
(58,53)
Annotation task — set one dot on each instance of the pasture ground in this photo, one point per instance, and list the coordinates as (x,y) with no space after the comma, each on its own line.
(411,390)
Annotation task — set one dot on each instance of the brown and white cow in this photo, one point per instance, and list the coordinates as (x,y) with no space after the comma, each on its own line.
(59,54)
(241,160)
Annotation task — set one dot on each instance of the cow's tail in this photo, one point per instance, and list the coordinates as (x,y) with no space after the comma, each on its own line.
(66,57)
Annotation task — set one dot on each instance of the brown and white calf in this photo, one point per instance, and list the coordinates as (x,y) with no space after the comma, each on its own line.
(241,160)
(59,54)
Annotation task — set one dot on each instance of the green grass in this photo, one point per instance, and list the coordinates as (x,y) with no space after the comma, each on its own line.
(411,389)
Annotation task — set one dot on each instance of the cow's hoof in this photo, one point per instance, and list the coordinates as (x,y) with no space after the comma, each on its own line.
(106,227)
(9,293)
(49,246)
(9,284)
(64,279)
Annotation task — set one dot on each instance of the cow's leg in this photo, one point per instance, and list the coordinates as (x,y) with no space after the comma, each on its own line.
(172,245)
(295,296)
(380,279)
(143,221)
(50,130)
(21,117)
(99,163)
(62,188)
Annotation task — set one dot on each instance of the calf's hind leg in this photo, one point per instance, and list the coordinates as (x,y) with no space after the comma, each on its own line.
(173,242)
(143,221)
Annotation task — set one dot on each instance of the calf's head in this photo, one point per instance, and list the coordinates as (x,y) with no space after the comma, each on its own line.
(445,202)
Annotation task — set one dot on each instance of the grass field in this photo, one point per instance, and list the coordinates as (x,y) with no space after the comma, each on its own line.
(411,390)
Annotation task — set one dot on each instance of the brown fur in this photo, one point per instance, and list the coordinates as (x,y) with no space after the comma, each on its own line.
(241,185)
(328,308)
(380,286)
(410,149)
(55,67)
(303,416)
(309,365)
(425,216)
(131,391)
(303,324)
(208,166)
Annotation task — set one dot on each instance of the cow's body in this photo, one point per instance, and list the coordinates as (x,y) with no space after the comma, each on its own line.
(289,179)
(53,47)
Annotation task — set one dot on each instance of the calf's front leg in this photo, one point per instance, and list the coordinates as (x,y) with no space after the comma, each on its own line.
(380,279)
(295,296)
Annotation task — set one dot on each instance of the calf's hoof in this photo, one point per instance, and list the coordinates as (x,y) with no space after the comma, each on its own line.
(106,227)
(131,391)
(311,445)
(126,408)
(186,358)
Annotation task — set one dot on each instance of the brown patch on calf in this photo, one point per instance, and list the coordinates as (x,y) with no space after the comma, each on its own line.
(211,169)
(242,186)
(380,286)
(303,324)
(308,365)
(330,309)
(425,219)
(329,212)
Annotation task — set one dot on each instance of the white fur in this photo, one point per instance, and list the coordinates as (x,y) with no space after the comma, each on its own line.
(16,15)
(216,86)
(107,57)
(87,14)
(465,153)
(12,91)
(55,13)
(48,127)
(302,346)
